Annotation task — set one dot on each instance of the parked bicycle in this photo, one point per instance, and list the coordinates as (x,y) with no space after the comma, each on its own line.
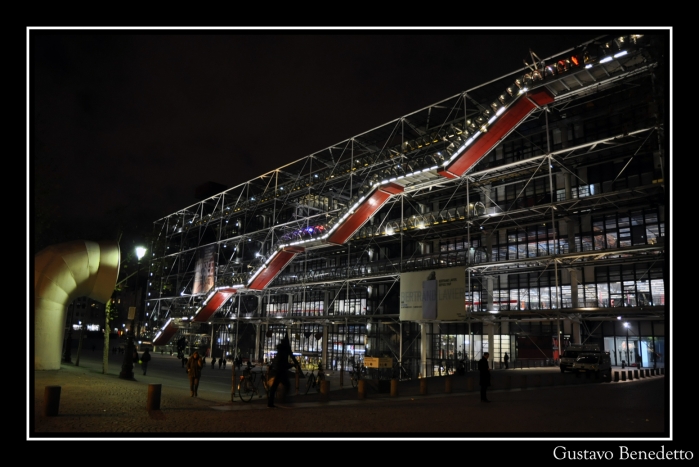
(401,372)
(313,381)
(248,385)
(357,373)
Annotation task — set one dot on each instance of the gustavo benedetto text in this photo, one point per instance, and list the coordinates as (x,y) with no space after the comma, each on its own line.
(623,453)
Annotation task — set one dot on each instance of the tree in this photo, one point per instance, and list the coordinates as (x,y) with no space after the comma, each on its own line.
(110,313)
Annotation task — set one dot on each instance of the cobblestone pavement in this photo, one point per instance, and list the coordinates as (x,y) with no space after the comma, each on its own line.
(99,405)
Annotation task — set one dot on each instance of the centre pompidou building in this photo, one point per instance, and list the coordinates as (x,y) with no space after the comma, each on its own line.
(519,216)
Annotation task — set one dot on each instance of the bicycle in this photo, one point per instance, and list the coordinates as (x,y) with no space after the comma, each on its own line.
(248,385)
(356,374)
(313,381)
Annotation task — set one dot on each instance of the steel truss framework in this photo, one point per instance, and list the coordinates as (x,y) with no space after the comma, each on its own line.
(241,230)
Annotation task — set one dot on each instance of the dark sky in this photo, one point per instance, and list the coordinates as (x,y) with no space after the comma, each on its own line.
(127,123)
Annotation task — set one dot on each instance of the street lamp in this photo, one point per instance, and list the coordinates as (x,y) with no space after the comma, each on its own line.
(127,365)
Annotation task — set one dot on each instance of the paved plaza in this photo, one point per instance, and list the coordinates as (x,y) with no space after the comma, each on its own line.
(93,404)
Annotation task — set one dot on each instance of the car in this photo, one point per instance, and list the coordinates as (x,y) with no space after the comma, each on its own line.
(572,352)
(598,362)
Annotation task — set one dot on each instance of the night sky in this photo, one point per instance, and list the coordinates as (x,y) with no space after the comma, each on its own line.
(125,124)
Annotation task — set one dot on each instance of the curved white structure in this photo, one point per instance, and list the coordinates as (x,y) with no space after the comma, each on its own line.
(63,273)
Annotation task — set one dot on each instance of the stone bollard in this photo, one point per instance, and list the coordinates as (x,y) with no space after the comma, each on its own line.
(423,386)
(616,376)
(469,383)
(325,389)
(394,387)
(630,375)
(635,374)
(52,399)
(652,371)
(623,376)
(153,401)
(361,389)
(447,384)
(647,372)
(642,374)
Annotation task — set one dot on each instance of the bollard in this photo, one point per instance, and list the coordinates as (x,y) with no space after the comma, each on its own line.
(508,382)
(623,376)
(630,375)
(652,371)
(642,373)
(153,402)
(325,389)
(423,386)
(662,371)
(469,383)
(394,387)
(52,399)
(616,376)
(361,389)
(635,374)
(647,372)
(447,385)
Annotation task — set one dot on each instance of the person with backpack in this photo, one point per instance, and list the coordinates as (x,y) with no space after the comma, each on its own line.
(279,369)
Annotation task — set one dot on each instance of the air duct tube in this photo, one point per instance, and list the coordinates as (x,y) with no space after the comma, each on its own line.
(63,273)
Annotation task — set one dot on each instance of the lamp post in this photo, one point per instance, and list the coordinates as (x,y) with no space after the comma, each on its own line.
(127,365)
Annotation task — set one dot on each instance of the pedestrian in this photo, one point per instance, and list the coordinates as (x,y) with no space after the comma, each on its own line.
(224,363)
(279,369)
(507,361)
(213,362)
(183,360)
(485,376)
(145,358)
(238,362)
(220,362)
(194,366)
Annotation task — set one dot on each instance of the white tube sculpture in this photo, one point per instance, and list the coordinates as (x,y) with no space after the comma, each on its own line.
(63,273)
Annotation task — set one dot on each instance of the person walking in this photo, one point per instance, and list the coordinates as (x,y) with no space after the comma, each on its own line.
(279,369)
(194,366)
(507,361)
(220,362)
(485,376)
(213,362)
(224,363)
(145,358)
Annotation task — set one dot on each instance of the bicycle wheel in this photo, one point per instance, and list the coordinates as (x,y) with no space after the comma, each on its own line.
(245,389)
(310,381)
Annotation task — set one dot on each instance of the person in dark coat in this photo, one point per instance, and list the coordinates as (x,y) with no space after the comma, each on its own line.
(507,361)
(213,362)
(220,362)
(279,369)
(194,366)
(484,370)
(145,358)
